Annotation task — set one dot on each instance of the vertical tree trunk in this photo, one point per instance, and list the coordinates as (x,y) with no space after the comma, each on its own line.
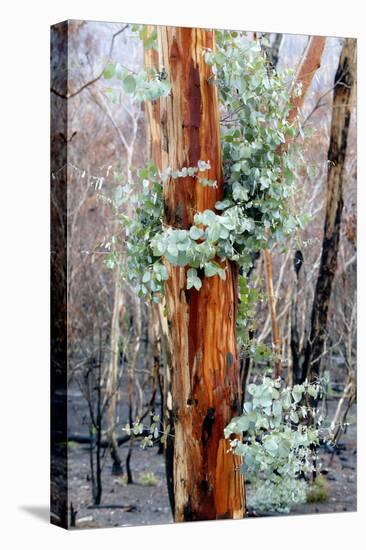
(151,61)
(343,88)
(306,70)
(206,395)
(112,381)
(273,51)
(305,73)
(276,341)
(154,151)
(308,65)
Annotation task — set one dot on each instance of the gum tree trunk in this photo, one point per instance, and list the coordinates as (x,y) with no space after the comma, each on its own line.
(309,64)
(160,327)
(202,324)
(112,380)
(306,70)
(343,92)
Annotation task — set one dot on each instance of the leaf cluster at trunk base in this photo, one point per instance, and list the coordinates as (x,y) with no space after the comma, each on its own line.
(279,445)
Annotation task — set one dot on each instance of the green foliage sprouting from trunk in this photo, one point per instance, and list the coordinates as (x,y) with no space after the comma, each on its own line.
(259,177)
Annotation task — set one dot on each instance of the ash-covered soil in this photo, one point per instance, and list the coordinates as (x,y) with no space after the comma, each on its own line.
(149,505)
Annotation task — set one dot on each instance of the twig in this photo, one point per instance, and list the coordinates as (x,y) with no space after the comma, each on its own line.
(73,94)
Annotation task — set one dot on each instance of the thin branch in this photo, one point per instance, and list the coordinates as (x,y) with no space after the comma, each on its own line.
(325,352)
(318,104)
(73,94)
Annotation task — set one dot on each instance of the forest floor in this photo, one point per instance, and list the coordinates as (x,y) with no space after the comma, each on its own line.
(149,504)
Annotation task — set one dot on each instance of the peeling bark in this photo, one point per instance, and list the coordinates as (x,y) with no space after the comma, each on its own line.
(202,325)
(309,64)
(272,52)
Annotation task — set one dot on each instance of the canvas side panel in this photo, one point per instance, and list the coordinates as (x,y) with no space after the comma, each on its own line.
(59,80)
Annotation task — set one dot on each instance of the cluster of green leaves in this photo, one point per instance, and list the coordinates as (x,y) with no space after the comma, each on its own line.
(259,174)
(149,245)
(156,431)
(207,239)
(279,497)
(146,85)
(249,296)
(150,41)
(277,446)
(143,86)
(141,269)
(259,170)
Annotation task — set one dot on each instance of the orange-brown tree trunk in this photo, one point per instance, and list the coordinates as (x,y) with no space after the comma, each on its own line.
(202,324)
(309,64)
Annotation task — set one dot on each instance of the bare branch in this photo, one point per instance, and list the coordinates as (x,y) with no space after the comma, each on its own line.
(73,94)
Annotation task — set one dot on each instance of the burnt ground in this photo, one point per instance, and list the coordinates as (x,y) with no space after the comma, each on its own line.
(149,505)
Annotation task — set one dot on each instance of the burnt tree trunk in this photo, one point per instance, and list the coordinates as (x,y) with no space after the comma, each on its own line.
(112,381)
(344,85)
(309,64)
(305,73)
(273,51)
(276,341)
(202,325)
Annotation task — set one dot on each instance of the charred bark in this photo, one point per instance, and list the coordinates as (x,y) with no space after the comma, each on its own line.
(112,381)
(309,64)
(343,90)
(272,52)
(306,70)
(296,334)
(276,340)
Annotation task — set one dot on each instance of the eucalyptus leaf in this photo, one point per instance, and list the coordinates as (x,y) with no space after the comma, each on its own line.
(109,71)
(129,84)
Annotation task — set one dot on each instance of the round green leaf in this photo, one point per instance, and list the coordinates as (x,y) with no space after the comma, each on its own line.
(109,71)
(129,84)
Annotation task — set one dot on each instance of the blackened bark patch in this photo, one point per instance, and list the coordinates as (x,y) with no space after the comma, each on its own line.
(178,215)
(187,294)
(169,464)
(207,425)
(204,486)
(195,114)
(167,213)
(164,132)
(188,511)
(229,364)
(235,407)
